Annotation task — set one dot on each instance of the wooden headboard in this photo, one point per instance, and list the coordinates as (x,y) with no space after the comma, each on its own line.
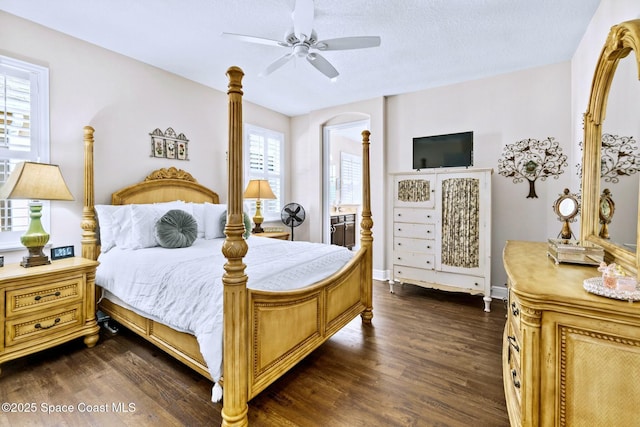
(165,185)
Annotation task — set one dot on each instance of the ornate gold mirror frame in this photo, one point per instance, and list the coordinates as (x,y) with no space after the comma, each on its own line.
(622,39)
(566,207)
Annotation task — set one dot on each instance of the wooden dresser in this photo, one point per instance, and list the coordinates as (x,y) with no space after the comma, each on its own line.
(570,358)
(47,305)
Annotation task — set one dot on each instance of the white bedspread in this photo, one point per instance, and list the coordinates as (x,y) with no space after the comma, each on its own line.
(183,287)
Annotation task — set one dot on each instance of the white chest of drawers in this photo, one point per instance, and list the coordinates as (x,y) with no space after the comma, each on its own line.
(442,230)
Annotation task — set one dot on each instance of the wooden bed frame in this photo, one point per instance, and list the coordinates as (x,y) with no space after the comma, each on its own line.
(265,333)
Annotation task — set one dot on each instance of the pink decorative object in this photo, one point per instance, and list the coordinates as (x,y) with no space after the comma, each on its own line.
(610,274)
(626,283)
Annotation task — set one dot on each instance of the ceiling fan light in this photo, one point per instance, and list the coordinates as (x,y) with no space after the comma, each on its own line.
(301,50)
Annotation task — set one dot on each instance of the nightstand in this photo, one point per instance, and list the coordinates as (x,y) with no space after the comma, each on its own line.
(282,235)
(41,307)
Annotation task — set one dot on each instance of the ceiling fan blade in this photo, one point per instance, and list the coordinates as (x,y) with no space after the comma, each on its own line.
(277,64)
(303,19)
(253,39)
(345,43)
(322,65)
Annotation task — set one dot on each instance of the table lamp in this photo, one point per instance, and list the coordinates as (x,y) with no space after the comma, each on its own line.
(35,182)
(258,189)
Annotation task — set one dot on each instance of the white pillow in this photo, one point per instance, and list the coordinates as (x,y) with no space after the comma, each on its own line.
(212,227)
(198,214)
(123,217)
(109,225)
(143,221)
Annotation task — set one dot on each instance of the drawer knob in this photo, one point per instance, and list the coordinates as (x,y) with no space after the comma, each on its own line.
(39,297)
(55,322)
(514,375)
(514,309)
(514,343)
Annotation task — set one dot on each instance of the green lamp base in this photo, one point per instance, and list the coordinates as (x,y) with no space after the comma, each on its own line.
(35,238)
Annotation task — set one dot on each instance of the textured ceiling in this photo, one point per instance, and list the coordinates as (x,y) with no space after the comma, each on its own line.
(425,43)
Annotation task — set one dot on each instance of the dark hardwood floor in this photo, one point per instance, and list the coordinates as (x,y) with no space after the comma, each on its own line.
(431,358)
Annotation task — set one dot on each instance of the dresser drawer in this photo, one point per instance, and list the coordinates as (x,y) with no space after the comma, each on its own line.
(514,343)
(514,311)
(414,259)
(515,380)
(30,327)
(422,216)
(407,244)
(43,297)
(425,231)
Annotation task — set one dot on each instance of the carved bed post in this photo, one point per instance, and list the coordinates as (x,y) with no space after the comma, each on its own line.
(366,236)
(89,240)
(236,328)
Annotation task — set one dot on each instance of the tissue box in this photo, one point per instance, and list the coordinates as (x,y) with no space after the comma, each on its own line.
(575,252)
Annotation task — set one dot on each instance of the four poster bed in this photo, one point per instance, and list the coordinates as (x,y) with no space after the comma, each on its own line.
(263,332)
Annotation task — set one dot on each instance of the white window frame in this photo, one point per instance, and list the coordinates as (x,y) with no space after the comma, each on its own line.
(350,179)
(249,174)
(39,133)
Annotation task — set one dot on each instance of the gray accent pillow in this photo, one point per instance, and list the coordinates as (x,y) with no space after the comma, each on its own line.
(176,229)
(247,223)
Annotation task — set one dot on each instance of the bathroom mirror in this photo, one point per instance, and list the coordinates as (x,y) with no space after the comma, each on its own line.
(566,208)
(620,45)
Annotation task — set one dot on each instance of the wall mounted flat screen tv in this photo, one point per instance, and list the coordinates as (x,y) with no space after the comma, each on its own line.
(443,151)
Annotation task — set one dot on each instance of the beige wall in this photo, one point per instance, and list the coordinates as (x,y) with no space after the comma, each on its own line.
(500,110)
(124,100)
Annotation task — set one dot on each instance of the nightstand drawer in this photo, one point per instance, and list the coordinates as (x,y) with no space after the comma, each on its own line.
(30,327)
(33,298)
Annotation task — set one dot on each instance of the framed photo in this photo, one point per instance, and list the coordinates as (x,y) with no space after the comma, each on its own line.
(62,252)
(157,147)
(182,150)
(170,149)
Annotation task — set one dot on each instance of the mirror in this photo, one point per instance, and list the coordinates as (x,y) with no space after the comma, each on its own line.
(621,41)
(607,208)
(619,154)
(566,208)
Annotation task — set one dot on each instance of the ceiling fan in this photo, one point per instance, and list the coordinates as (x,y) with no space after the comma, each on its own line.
(302,42)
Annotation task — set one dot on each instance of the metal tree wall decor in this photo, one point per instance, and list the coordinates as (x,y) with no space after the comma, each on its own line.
(531,159)
(618,157)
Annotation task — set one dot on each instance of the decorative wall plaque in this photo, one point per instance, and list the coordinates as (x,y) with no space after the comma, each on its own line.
(168,145)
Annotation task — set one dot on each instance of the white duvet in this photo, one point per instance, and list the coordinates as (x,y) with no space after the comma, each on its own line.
(182,288)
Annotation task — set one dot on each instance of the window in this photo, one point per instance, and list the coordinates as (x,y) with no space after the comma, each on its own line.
(265,150)
(350,179)
(24,136)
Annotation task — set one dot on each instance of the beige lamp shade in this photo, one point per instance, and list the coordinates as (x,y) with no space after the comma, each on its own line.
(36,181)
(259,189)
